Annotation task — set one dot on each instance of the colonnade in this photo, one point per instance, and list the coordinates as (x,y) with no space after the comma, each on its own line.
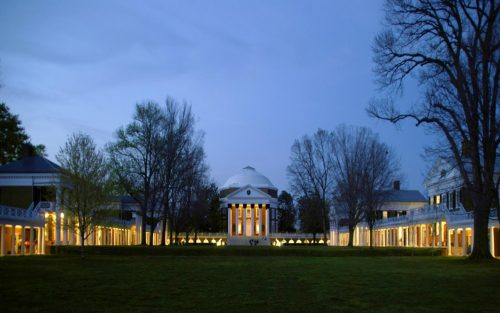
(15,241)
(237,217)
(458,240)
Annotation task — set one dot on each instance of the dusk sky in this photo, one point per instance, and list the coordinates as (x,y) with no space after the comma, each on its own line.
(258,74)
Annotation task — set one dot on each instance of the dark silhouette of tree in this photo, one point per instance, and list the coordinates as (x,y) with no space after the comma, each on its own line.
(381,169)
(136,157)
(311,173)
(348,163)
(311,214)
(13,137)
(453,48)
(286,213)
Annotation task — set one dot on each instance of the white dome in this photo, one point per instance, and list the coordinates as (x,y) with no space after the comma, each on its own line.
(248,176)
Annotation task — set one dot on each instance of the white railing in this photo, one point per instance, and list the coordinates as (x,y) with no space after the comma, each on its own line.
(22,214)
(295,235)
(43,206)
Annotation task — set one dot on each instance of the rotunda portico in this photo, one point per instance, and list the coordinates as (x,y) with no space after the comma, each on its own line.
(251,201)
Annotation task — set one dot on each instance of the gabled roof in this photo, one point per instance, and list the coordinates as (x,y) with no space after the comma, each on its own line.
(36,164)
(405,196)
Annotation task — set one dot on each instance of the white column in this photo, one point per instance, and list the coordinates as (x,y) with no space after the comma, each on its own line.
(426,235)
(23,239)
(2,243)
(440,233)
(492,241)
(13,243)
(32,239)
(449,241)
(58,212)
(421,236)
(455,248)
(229,211)
(65,229)
(41,230)
(244,221)
(260,222)
(92,235)
(464,242)
(472,239)
(267,222)
(39,240)
(252,216)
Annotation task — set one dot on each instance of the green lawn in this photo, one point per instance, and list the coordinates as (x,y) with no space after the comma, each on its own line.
(212,283)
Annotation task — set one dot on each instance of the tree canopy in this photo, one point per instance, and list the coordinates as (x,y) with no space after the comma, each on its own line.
(13,137)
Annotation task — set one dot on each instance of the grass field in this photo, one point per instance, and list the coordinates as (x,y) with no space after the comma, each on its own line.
(250,283)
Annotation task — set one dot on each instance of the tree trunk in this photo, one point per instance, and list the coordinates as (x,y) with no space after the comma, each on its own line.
(170,231)
(163,231)
(351,235)
(151,235)
(143,228)
(371,235)
(481,244)
(82,243)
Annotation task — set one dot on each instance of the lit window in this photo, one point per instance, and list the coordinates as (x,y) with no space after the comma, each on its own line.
(438,199)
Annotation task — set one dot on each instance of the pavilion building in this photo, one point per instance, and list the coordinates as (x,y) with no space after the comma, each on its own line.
(251,201)
(443,220)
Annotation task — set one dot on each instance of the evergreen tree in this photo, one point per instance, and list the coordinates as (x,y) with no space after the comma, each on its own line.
(286,213)
(13,137)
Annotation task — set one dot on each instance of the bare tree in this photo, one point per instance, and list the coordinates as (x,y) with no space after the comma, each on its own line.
(136,158)
(381,168)
(453,47)
(85,175)
(178,138)
(311,172)
(348,161)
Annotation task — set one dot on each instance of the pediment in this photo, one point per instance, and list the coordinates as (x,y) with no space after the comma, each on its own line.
(248,192)
(441,170)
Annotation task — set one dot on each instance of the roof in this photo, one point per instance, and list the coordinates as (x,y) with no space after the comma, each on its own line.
(405,196)
(125,199)
(248,176)
(36,164)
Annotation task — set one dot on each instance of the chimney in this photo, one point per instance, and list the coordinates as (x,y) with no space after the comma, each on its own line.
(397,185)
(28,150)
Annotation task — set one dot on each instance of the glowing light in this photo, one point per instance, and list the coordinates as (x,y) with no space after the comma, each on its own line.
(190,241)
(321,241)
(298,241)
(62,214)
(198,240)
(46,215)
(205,241)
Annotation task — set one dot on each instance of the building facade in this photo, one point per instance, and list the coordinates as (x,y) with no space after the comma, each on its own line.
(250,200)
(441,220)
(32,218)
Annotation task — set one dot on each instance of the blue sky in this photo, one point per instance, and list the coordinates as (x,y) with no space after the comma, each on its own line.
(258,74)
